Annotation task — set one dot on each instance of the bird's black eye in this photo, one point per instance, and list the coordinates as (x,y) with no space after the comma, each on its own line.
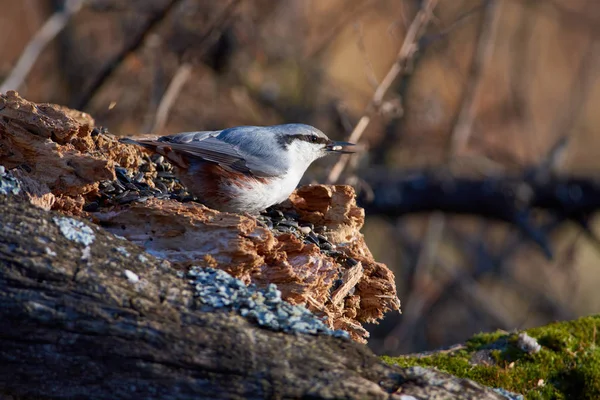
(314,138)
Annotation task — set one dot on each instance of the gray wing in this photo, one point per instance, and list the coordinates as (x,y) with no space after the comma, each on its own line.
(207,146)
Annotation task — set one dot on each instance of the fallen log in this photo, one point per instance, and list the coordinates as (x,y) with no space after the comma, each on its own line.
(86,314)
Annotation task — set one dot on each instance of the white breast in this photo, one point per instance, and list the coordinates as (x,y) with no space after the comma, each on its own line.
(257,196)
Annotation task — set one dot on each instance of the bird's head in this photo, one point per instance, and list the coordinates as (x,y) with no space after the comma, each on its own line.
(306,143)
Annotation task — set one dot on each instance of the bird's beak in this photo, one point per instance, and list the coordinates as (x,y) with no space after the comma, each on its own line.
(339,147)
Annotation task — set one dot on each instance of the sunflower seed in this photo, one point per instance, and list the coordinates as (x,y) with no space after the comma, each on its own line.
(91,207)
(145,167)
(326,246)
(122,174)
(119,187)
(139,177)
(320,229)
(351,261)
(276,214)
(128,198)
(165,175)
(161,186)
(157,158)
(312,238)
(305,230)
(289,223)
(108,188)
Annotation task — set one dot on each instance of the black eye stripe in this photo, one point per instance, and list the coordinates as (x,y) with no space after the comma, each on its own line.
(285,140)
(310,138)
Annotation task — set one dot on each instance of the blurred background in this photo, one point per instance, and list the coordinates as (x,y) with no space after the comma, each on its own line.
(471,88)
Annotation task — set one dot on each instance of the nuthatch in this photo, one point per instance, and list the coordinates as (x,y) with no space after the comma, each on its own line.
(247,168)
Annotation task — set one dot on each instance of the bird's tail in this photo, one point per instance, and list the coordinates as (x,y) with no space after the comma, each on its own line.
(147,143)
(159,147)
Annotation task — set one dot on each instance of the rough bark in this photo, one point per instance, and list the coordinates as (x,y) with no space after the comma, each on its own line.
(74,326)
(64,163)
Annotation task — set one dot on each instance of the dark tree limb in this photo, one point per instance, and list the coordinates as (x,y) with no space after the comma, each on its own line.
(74,326)
(506,198)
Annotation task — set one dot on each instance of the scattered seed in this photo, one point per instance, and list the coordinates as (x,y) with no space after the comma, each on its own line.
(322,238)
(307,225)
(139,177)
(119,187)
(165,175)
(109,188)
(121,195)
(91,207)
(289,223)
(336,284)
(311,237)
(291,215)
(305,230)
(122,174)
(157,158)
(129,198)
(149,192)
(320,229)
(326,246)
(351,261)
(276,214)
(145,167)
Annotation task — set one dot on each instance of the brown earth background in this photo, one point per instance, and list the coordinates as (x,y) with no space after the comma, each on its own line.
(495,84)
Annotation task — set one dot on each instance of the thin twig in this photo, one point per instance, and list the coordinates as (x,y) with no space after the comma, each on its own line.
(458,22)
(162,112)
(153,51)
(463,128)
(407,50)
(580,93)
(52,27)
(342,22)
(211,35)
(136,40)
(483,53)
(423,290)
(369,70)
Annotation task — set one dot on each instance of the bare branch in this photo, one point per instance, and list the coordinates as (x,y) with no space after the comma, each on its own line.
(211,35)
(52,27)
(343,21)
(483,53)
(132,45)
(179,79)
(360,42)
(407,50)
(423,290)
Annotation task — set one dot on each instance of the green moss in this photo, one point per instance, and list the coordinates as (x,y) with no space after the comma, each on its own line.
(567,366)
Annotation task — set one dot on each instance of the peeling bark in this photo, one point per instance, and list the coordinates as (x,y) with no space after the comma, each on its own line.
(62,162)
